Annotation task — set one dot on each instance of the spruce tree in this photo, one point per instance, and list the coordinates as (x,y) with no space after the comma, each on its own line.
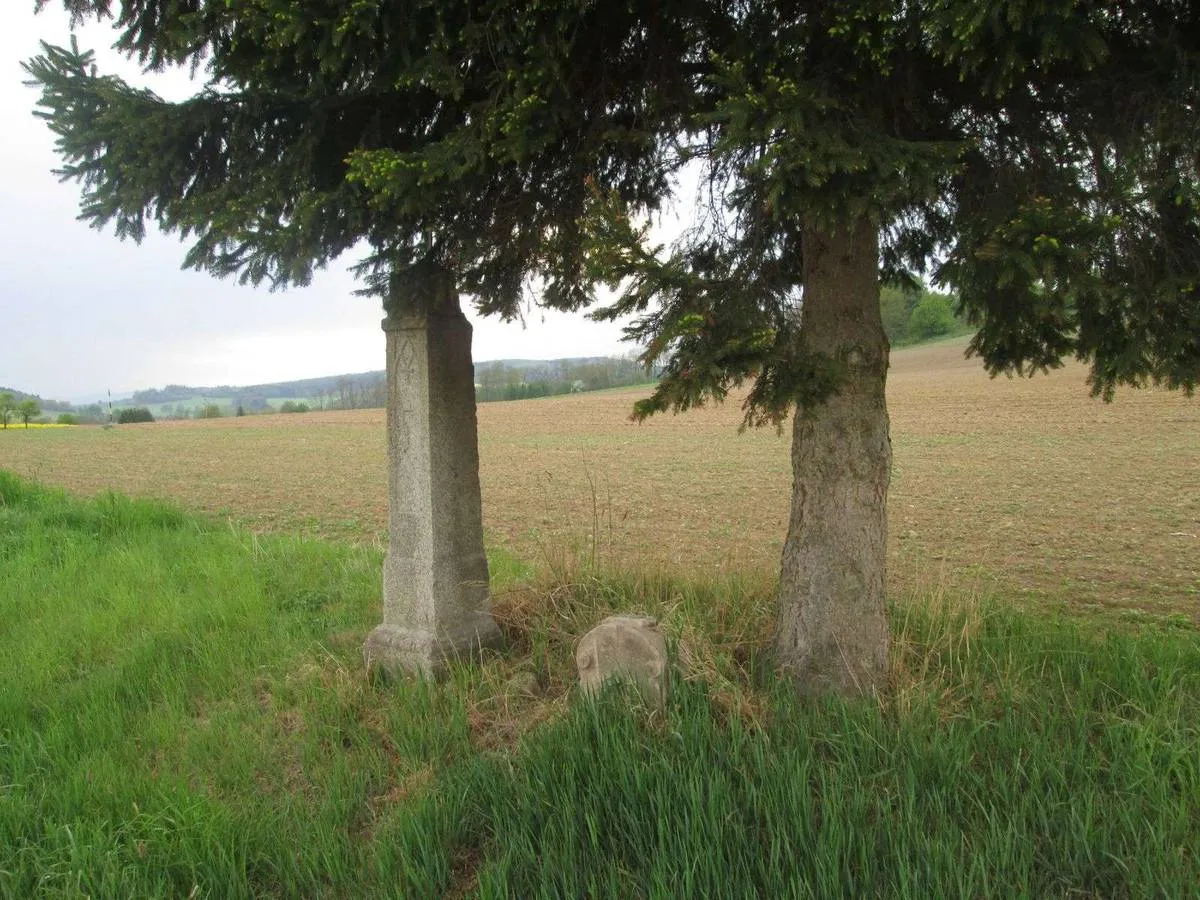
(448,139)
(1040,158)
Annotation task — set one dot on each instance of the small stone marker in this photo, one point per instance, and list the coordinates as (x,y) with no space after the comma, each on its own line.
(629,647)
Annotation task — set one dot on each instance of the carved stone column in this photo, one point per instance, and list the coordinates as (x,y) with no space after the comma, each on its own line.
(435,575)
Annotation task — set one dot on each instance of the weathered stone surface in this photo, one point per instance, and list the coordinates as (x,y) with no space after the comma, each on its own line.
(435,575)
(627,647)
(523,684)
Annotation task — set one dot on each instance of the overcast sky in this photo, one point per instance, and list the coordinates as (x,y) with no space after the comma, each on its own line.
(82,313)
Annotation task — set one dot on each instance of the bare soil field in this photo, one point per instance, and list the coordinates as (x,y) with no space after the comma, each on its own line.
(1027,488)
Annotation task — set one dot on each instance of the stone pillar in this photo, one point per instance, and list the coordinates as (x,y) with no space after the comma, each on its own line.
(435,575)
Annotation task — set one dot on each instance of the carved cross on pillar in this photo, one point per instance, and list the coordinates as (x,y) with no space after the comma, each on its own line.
(435,576)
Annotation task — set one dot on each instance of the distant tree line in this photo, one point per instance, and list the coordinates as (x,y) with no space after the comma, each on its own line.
(913,316)
(25,408)
(353,392)
(335,389)
(909,317)
(89,414)
(521,380)
(134,414)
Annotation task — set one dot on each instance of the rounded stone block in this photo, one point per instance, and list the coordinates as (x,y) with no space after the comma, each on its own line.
(630,648)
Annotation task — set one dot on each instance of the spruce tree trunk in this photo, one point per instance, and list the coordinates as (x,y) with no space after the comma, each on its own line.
(832,632)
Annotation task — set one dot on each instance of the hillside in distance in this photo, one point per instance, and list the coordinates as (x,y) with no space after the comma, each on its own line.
(502,379)
(43,404)
(299,389)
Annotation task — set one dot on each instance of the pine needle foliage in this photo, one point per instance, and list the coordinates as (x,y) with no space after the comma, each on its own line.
(1038,158)
(444,137)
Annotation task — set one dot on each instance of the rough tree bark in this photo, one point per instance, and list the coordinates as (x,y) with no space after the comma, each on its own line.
(832,632)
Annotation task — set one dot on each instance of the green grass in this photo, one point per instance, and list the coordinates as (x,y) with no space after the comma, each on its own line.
(183,712)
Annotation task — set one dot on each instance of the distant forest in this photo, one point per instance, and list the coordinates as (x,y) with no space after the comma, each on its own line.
(520,379)
(47,406)
(495,380)
(909,317)
(354,391)
(506,379)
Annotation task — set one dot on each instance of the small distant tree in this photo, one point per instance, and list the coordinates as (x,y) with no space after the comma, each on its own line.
(133,415)
(28,409)
(209,411)
(67,419)
(896,306)
(241,410)
(378,398)
(345,394)
(293,406)
(8,405)
(933,316)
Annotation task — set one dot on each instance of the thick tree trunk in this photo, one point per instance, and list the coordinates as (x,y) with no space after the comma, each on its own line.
(832,632)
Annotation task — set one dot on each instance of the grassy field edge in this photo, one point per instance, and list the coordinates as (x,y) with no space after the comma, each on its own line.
(184,712)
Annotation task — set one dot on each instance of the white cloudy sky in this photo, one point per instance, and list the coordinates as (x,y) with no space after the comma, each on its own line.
(82,313)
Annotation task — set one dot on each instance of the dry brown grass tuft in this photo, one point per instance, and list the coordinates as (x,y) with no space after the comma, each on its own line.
(403,787)
(932,634)
(717,629)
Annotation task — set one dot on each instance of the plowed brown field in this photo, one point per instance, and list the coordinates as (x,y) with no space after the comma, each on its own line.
(1028,487)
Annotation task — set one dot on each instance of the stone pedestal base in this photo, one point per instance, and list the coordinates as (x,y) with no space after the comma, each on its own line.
(395,649)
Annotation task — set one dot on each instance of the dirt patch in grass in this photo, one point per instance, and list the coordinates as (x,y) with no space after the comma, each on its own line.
(464,881)
(1029,487)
